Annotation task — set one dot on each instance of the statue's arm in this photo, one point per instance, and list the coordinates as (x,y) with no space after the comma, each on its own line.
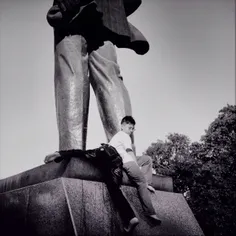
(63,11)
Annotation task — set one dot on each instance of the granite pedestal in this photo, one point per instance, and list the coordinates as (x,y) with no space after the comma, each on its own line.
(69,198)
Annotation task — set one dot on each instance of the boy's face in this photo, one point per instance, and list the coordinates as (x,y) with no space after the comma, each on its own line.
(127,128)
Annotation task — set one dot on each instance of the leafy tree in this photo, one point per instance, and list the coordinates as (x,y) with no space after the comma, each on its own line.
(206,170)
(213,192)
(172,158)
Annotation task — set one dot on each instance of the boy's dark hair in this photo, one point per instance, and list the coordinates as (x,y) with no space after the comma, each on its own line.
(128,120)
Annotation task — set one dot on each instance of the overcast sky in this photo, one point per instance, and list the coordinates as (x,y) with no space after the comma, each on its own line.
(178,86)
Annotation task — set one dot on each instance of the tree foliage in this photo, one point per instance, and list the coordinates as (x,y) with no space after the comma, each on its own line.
(206,170)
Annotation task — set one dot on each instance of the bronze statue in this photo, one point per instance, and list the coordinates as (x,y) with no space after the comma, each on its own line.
(85,33)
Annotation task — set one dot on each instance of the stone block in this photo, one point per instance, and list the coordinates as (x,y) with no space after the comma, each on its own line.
(78,168)
(67,206)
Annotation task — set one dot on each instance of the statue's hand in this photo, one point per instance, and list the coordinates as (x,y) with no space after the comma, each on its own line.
(68,5)
(64,12)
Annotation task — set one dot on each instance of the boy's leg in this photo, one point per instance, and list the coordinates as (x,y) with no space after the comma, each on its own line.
(137,177)
(112,96)
(120,202)
(71,90)
(112,178)
(145,162)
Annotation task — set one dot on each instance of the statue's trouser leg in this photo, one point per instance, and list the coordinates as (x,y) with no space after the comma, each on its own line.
(72,91)
(112,96)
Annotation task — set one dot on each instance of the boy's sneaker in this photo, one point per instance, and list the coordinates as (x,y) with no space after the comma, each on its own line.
(151,189)
(52,157)
(132,224)
(155,219)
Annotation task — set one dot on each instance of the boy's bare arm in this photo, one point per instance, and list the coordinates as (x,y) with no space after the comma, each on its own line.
(134,149)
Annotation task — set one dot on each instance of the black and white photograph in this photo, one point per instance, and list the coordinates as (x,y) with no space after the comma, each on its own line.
(117,117)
